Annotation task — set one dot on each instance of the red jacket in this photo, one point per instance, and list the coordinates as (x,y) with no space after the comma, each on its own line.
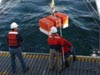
(66,45)
(14,39)
(54,41)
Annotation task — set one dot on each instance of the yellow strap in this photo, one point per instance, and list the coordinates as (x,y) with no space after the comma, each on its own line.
(52,5)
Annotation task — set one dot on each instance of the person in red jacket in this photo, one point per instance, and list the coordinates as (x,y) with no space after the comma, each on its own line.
(14,43)
(67,49)
(55,54)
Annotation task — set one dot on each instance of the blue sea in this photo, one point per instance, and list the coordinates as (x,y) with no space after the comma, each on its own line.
(83,30)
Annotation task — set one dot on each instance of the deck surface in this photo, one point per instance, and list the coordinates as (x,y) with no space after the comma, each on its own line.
(38,65)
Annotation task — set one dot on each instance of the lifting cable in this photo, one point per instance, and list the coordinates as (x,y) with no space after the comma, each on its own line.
(93,8)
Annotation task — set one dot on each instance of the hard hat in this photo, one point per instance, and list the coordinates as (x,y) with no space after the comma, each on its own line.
(53,29)
(13,25)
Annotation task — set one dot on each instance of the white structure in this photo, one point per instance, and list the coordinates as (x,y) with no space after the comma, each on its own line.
(0,1)
(98,6)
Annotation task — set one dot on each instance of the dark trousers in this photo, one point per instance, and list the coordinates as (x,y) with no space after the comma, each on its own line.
(18,53)
(71,52)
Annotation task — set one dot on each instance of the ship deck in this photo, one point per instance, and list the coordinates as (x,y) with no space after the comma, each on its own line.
(38,65)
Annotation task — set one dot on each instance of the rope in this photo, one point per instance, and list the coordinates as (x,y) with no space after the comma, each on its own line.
(93,8)
(94,11)
(62,46)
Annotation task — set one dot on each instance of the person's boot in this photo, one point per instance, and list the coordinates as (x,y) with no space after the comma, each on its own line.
(52,68)
(13,71)
(66,63)
(26,70)
(60,70)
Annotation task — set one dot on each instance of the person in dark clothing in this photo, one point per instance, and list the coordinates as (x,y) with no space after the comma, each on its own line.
(67,50)
(15,42)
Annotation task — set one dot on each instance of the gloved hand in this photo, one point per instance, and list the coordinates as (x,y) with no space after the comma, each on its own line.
(74,58)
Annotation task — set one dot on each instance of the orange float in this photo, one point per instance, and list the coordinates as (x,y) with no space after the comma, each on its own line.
(64,19)
(58,19)
(45,25)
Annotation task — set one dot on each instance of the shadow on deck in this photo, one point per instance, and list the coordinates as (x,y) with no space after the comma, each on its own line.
(38,64)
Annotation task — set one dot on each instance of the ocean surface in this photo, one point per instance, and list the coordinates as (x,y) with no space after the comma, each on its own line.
(83,30)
